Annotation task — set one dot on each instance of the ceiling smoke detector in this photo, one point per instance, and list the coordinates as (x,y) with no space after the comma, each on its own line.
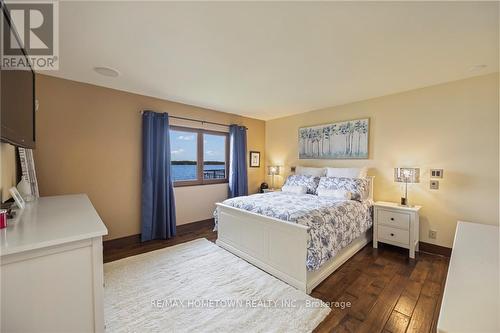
(106,71)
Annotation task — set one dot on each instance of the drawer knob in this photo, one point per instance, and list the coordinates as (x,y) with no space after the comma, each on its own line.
(392,218)
(392,234)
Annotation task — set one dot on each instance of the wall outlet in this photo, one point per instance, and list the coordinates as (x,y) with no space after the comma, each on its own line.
(437,173)
(434,184)
(432,234)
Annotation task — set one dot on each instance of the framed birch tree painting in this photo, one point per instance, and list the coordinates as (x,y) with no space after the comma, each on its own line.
(342,140)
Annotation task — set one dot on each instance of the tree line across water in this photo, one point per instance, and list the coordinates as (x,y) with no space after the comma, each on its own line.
(194,163)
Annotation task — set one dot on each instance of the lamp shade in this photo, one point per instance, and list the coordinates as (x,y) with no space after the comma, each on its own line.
(407,175)
(273,170)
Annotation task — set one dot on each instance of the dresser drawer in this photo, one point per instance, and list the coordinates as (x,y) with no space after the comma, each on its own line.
(393,219)
(393,234)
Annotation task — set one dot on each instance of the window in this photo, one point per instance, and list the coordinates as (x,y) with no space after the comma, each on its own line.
(214,156)
(184,155)
(198,156)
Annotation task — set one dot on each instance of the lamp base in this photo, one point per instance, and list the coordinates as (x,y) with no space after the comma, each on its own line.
(404,202)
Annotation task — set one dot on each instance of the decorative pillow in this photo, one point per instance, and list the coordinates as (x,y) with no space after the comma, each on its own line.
(335,194)
(359,187)
(308,171)
(299,189)
(310,182)
(346,172)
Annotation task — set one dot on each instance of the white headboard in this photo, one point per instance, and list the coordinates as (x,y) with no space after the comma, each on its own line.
(370,193)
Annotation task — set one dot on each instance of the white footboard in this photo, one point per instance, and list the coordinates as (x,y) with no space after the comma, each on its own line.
(276,247)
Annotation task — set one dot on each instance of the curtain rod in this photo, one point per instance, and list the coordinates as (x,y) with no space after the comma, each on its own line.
(198,121)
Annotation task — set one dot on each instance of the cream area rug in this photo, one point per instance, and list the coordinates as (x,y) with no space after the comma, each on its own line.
(199,287)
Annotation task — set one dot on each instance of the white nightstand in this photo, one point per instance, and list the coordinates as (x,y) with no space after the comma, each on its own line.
(396,225)
(271,190)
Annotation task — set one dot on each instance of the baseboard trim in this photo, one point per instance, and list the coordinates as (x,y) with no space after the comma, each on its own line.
(182,229)
(435,249)
(188,228)
(121,242)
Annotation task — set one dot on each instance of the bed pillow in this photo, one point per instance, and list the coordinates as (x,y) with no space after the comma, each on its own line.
(308,171)
(346,172)
(359,187)
(334,194)
(310,182)
(299,189)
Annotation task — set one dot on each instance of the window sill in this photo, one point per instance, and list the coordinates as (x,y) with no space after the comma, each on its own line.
(186,184)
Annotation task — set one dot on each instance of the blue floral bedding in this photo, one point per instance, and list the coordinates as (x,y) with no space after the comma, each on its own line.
(333,224)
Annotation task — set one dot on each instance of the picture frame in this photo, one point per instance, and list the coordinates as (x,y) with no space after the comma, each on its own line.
(255,159)
(17,197)
(343,140)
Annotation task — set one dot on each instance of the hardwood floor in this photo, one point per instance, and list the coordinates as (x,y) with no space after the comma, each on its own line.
(131,246)
(387,291)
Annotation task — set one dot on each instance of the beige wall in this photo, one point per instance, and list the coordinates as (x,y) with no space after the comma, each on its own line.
(8,170)
(89,141)
(454,126)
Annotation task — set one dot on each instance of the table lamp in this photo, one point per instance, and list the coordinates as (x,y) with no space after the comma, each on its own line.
(406,175)
(273,170)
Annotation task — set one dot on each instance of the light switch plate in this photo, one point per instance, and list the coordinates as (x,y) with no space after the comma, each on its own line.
(437,173)
(434,184)
(432,234)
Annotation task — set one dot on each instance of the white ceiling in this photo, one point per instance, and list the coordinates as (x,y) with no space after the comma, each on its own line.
(266,60)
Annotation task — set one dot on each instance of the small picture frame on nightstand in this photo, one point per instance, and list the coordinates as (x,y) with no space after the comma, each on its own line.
(17,197)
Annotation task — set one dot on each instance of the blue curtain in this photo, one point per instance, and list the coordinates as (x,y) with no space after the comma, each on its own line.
(238,184)
(158,205)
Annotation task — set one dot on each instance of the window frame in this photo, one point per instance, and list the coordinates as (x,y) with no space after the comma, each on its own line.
(200,145)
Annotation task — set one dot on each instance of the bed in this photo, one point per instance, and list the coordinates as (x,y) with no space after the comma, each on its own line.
(324,233)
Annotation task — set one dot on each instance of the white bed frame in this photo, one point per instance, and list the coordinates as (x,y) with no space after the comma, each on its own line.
(278,247)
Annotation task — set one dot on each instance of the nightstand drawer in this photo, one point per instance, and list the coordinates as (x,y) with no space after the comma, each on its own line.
(393,234)
(393,219)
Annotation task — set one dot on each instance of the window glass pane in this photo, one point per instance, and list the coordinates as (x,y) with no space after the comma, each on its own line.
(184,152)
(214,156)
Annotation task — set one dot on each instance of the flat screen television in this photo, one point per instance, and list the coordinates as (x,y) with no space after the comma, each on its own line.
(17,95)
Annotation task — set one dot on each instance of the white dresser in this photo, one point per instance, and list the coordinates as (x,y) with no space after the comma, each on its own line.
(52,269)
(471,300)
